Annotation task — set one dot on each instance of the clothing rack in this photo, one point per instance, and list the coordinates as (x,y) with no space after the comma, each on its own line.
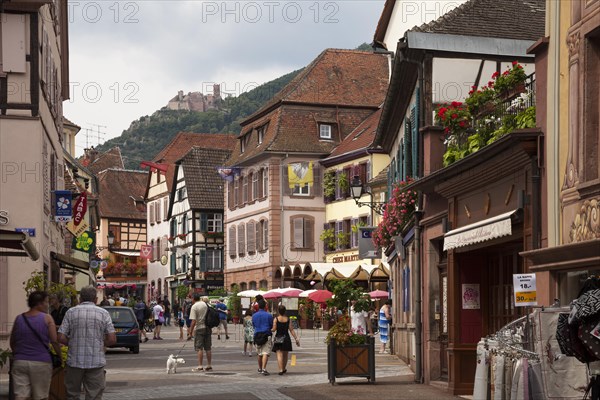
(513,338)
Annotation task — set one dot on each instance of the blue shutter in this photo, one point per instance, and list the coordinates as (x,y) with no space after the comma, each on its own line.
(415,134)
(407,148)
(203,264)
(173,264)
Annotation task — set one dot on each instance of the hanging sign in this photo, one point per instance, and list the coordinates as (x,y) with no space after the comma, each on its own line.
(85,242)
(146,251)
(525,290)
(63,210)
(79,229)
(80,208)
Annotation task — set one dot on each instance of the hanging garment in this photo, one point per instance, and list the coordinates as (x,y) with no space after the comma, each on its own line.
(536,392)
(562,377)
(509,365)
(480,387)
(523,392)
(498,392)
(516,380)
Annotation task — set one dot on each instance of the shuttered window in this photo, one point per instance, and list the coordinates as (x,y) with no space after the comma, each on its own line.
(241,242)
(251,236)
(230,202)
(265,182)
(151,214)
(259,236)
(302,232)
(157,212)
(231,243)
(254,191)
(165,208)
(245,190)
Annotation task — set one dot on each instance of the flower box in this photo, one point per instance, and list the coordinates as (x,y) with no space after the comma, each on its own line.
(351,360)
(512,92)
(327,324)
(306,323)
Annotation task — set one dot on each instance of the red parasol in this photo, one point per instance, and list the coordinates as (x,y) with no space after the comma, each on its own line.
(320,296)
(379,294)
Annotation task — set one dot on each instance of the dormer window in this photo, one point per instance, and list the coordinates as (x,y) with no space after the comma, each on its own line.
(261,134)
(244,142)
(325,131)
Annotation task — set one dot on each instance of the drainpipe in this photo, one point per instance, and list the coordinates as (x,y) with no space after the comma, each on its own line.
(281,193)
(536,206)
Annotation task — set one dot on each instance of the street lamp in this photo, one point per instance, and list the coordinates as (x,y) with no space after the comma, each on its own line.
(111,240)
(357,190)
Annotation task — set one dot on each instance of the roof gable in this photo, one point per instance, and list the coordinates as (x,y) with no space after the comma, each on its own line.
(204,186)
(121,194)
(360,138)
(109,159)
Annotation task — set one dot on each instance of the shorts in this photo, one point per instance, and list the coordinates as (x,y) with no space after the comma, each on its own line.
(188,322)
(181,323)
(203,339)
(31,379)
(157,322)
(265,349)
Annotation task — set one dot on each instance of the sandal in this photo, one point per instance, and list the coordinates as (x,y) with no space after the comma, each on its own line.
(197,369)
(208,369)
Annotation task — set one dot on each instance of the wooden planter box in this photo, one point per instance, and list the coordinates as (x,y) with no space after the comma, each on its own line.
(57,385)
(355,360)
(327,324)
(307,323)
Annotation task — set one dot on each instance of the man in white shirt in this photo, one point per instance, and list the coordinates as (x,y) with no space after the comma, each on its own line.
(360,321)
(158,312)
(202,334)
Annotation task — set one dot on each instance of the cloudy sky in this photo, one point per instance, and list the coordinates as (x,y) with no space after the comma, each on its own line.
(128,58)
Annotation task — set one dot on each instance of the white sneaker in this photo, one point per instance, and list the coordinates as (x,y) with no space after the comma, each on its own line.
(243,353)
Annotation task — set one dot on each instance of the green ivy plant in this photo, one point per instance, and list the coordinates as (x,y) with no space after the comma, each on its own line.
(526,119)
(182,292)
(343,239)
(344,183)
(357,226)
(329,184)
(328,238)
(39,282)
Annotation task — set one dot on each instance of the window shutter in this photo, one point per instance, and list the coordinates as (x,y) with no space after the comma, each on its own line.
(251,235)
(298,234)
(265,234)
(203,222)
(354,233)
(173,230)
(173,264)
(265,182)
(151,214)
(241,240)
(165,208)
(317,186)
(164,245)
(157,211)
(184,224)
(230,195)
(308,233)
(407,149)
(203,261)
(338,189)
(153,255)
(258,235)
(414,123)
(236,192)
(368,171)
(259,189)
(339,228)
(231,242)
(245,189)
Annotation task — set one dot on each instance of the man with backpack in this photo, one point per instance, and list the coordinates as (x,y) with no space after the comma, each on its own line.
(142,313)
(202,333)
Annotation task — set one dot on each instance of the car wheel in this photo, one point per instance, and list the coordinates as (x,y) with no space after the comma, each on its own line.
(135,350)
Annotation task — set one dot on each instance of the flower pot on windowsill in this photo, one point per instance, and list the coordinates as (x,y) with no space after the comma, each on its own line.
(511,93)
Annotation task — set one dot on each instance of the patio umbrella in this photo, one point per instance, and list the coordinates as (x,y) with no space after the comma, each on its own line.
(379,294)
(250,293)
(307,292)
(293,292)
(320,296)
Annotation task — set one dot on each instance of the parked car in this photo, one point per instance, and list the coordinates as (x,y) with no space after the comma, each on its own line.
(126,327)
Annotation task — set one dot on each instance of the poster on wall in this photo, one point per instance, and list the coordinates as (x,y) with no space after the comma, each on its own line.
(525,290)
(471,296)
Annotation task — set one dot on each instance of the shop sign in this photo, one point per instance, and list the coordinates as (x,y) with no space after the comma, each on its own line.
(79,229)
(146,251)
(29,231)
(63,210)
(4,220)
(80,208)
(525,290)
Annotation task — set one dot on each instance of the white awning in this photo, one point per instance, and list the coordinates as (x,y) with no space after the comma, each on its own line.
(134,253)
(488,229)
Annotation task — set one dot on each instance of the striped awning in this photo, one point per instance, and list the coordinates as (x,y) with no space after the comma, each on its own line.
(488,229)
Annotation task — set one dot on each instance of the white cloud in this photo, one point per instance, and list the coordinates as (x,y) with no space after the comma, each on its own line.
(128,58)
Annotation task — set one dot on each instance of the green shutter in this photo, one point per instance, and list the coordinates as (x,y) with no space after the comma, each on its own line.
(415,134)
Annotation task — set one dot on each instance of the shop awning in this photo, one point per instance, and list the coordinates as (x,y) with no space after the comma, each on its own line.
(71,263)
(128,253)
(488,229)
(17,241)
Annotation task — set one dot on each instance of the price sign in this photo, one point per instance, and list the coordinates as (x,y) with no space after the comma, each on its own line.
(525,290)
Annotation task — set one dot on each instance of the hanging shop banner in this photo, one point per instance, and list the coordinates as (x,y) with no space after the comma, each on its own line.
(300,173)
(80,208)
(63,210)
(146,251)
(79,229)
(525,290)
(228,174)
(86,242)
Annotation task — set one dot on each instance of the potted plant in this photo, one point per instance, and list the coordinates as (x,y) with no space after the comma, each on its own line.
(397,214)
(511,82)
(307,313)
(343,240)
(349,353)
(235,305)
(328,320)
(329,186)
(344,184)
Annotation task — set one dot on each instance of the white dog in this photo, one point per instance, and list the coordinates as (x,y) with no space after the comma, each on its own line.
(172,362)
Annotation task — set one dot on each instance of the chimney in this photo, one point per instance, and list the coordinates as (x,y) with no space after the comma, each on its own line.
(433,149)
(217,91)
(180,95)
(89,155)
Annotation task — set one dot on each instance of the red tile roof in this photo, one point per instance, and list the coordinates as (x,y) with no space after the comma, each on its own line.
(360,138)
(121,194)
(184,141)
(109,159)
(340,87)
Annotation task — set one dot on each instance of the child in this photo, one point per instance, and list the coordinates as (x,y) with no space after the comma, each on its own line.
(248,332)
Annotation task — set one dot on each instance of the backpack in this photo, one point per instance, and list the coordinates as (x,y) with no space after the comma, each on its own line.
(212,319)
(147,312)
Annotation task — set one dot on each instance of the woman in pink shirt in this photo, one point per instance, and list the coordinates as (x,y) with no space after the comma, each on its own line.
(32,366)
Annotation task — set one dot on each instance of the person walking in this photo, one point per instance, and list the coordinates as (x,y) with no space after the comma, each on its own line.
(187,307)
(282,344)
(140,311)
(385,318)
(202,334)
(222,308)
(87,330)
(159,319)
(361,322)
(248,333)
(180,321)
(262,322)
(57,308)
(31,370)
(167,307)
